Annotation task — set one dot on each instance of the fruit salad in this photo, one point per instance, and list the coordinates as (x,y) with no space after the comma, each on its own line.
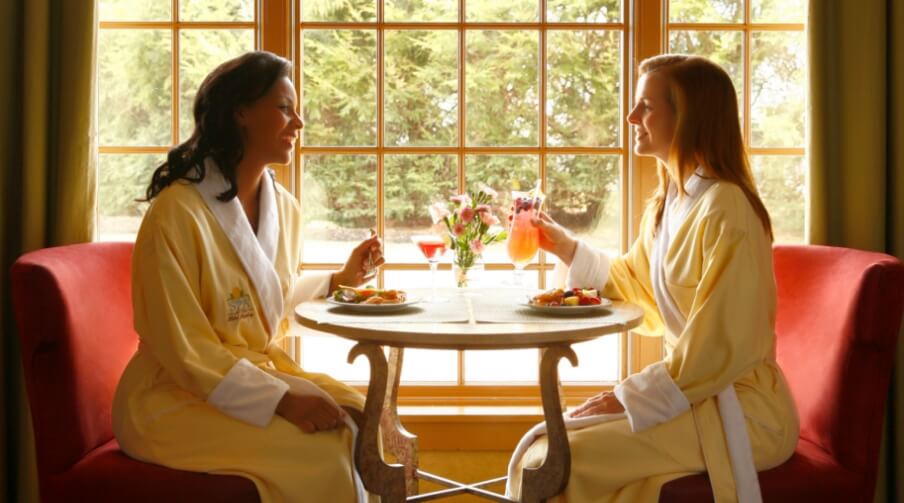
(573,297)
(368,295)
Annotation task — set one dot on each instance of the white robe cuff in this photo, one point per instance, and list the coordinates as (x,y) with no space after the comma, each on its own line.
(589,267)
(248,394)
(650,397)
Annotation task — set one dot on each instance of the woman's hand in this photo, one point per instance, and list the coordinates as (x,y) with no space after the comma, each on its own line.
(361,265)
(604,403)
(310,413)
(554,238)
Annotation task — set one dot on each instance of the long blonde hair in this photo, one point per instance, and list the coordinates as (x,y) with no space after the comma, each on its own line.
(707,129)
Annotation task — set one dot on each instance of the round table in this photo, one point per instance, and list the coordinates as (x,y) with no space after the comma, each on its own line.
(474,320)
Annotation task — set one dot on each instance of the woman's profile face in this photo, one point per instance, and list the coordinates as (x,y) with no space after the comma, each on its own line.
(652,117)
(271,124)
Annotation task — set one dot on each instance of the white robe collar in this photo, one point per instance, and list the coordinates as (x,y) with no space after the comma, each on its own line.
(734,425)
(256,252)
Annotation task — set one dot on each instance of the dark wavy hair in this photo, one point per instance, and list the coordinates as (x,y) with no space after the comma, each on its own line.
(237,82)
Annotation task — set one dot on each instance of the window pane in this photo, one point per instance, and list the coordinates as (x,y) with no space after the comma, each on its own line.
(346,11)
(426,366)
(588,11)
(134,10)
(777,93)
(328,354)
(216,10)
(339,203)
(598,362)
(503,367)
(421,10)
(782,183)
(412,184)
(134,75)
(421,88)
(508,11)
(584,195)
(584,91)
(502,90)
(706,11)
(121,179)
(200,51)
(722,47)
(778,11)
(340,87)
(502,173)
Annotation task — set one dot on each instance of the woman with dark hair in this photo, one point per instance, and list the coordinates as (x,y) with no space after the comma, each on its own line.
(702,272)
(215,275)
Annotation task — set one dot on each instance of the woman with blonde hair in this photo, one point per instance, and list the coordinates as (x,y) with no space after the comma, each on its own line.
(702,272)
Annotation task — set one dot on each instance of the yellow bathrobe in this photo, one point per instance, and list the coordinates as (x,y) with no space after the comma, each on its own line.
(717,269)
(211,301)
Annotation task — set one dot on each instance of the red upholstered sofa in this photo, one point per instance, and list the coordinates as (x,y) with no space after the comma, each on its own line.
(838,320)
(74,310)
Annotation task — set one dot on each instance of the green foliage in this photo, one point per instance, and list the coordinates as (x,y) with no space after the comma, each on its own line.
(339,87)
(215,10)
(339,10)
(781,181)
(584,88)
(341,189)
(123,179)
(421,90)
(502,93)
(421,10)
(778,93)
(413,183)
(200,51)
(706,11)
(421,107)
(135,79)
(583,11)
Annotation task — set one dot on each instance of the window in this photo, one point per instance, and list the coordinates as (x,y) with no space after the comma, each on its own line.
(407,102)
(152,56)
(762,45)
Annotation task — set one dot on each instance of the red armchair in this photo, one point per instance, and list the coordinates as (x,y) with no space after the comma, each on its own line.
(74,311)
(839,313)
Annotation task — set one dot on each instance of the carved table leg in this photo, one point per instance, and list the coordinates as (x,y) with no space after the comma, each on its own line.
(538,484)
(388,481)
(396,439)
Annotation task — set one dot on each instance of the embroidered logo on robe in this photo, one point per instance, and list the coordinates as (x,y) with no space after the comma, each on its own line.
(239,305)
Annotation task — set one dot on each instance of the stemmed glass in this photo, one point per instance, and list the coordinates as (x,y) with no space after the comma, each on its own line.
(433,247)
(523,237)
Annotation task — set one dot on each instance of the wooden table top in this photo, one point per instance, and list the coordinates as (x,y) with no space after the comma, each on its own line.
(468,332)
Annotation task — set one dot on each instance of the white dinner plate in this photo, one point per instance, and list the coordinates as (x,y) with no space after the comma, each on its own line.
(375,308)
(570,310)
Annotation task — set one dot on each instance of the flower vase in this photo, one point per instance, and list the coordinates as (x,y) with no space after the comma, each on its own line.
(467,276)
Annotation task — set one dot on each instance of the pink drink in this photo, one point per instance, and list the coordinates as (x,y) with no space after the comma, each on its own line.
(432,250)
(523,239)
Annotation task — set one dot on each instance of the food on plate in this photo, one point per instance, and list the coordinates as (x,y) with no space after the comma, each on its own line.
(368,295)
(573,297)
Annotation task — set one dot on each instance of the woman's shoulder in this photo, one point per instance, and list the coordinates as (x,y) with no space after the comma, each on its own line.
(725,199)
(174,204)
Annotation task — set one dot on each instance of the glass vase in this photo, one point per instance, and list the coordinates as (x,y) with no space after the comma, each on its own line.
(468,276)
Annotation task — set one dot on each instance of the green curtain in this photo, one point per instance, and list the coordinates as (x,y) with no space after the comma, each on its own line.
(47,179)
(857,156)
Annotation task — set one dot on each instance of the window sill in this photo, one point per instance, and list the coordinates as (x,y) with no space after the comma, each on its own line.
(469,428)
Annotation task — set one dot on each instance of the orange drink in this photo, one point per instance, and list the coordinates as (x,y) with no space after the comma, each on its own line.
(523,240)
